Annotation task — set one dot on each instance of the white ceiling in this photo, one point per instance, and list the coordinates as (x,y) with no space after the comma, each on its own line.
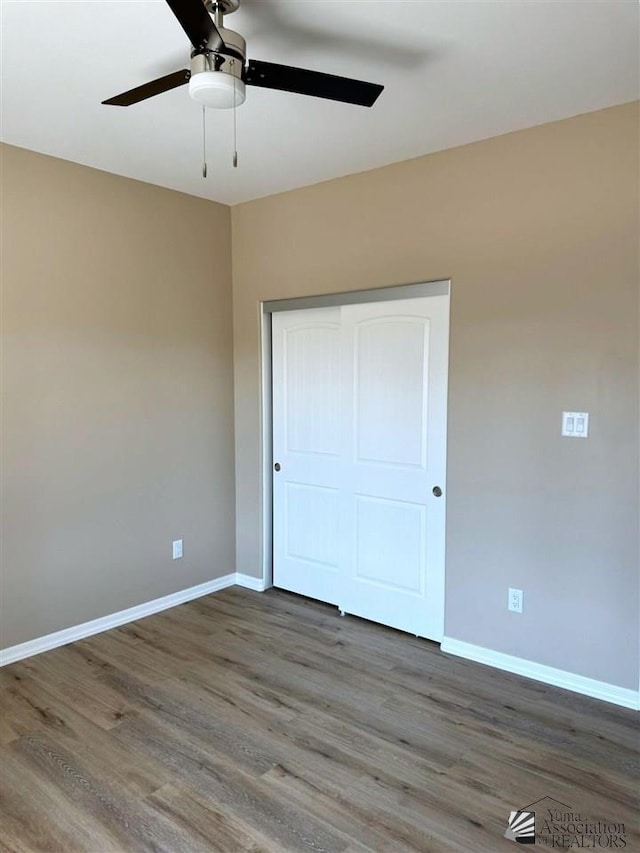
(454,72)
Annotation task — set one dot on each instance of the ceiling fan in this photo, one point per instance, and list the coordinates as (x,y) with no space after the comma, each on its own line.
(220,71)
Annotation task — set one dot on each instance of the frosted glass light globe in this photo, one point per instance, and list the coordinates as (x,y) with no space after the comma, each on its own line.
(217,89)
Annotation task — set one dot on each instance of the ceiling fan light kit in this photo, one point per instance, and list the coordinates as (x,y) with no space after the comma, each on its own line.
(217,89)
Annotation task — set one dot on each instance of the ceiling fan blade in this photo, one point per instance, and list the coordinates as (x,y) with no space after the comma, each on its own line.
(197,23)
(269,75)
(148,90)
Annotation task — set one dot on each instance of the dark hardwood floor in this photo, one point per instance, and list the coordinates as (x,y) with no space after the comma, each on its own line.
(247,721)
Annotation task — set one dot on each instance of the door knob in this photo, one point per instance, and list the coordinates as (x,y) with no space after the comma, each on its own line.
(437,491)
(277,466)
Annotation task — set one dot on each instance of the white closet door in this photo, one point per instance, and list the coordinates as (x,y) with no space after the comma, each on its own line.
(359,434)
(394,400)
(307,447)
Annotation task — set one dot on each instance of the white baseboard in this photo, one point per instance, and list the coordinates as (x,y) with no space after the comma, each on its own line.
(546,674)
(114,620)
(257,584)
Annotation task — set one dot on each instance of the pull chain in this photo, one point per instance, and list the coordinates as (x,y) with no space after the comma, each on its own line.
(204,145)
(235,126)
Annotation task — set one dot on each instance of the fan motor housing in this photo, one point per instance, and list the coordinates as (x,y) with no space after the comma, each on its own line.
(229,60)
(217,75)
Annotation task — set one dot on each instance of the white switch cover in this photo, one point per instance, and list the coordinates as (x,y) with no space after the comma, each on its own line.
(575,424)
(177,549)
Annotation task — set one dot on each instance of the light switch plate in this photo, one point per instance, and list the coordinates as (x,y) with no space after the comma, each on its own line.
(177,549)
(575,424)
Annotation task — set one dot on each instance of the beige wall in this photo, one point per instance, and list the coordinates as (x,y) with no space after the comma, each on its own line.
(117,378)
(118,393)
(538,232)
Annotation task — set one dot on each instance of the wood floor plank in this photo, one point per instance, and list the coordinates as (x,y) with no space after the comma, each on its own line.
(343,810)
(220,830)
(21,711)
(539,773)
(242,794)
(333,730)
(36,815)
(98,702)
(122,650)
(265,723)
(72,730)
(132,822)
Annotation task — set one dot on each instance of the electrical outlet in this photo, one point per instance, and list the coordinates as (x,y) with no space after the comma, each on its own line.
(177,549)
(515,600)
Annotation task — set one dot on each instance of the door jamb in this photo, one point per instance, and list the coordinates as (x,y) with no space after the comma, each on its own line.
(266,442)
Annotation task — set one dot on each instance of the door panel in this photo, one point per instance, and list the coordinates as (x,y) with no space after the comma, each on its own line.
(312,514)
(311,387)
(307,444)
(390,533)
(394,408)
(391,368)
